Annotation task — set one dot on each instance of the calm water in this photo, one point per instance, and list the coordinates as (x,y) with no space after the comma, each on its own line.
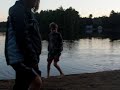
(83,56)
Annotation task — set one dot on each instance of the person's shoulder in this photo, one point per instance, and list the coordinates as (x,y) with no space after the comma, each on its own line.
(19,4)
(17,7)
(50,34)
(54,33)
(58,33)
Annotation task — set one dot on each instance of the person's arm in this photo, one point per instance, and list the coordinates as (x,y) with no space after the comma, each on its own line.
(61,41)
(22,34)
(48,43)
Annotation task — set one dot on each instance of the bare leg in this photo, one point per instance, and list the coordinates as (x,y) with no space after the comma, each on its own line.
(36,84)
(48,68)
(58,68)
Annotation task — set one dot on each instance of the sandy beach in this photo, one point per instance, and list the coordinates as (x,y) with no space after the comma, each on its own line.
(107,80)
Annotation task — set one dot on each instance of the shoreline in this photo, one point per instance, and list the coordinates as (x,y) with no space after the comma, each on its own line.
(106,80)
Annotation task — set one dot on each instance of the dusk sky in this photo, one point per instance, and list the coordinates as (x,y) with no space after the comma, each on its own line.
(84,7)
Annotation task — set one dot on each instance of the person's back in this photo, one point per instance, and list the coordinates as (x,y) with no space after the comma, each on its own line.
(22,21)
(23,45)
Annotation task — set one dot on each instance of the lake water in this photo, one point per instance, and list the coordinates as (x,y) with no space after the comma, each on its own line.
(83,56)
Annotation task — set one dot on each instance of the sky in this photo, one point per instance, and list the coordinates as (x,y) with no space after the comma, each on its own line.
(84,7)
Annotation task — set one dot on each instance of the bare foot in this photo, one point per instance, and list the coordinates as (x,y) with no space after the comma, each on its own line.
(48,76)
(62,75)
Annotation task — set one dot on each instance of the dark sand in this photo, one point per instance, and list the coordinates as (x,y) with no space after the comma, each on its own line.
(108,80)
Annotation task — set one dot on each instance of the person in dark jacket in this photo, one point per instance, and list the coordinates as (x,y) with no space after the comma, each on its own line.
(55,47)
(23,44)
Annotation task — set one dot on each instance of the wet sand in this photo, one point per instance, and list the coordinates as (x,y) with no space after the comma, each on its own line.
(107,80)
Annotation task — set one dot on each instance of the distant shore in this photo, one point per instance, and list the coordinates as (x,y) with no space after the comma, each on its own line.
(107,80)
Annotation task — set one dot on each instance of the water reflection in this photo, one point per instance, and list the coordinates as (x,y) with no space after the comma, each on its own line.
(83,56)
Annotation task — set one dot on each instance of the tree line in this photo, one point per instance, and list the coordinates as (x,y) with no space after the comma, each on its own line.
(72,25)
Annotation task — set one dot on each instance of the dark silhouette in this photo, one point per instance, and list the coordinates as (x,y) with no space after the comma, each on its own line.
(23,45)
(55,46)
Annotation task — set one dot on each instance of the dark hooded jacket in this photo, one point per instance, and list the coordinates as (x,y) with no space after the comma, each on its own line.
(23,39)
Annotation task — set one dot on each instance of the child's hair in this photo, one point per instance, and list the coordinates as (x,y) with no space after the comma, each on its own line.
(53,26)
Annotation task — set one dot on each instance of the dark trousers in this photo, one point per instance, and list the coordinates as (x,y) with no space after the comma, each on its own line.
(24,76)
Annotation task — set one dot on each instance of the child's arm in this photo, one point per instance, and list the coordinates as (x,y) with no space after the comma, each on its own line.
(61,42)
